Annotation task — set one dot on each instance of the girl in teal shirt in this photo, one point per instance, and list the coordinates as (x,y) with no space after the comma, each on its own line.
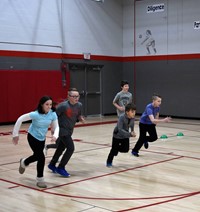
(42,118)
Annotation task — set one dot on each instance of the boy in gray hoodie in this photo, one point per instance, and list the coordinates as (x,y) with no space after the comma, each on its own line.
(121,134)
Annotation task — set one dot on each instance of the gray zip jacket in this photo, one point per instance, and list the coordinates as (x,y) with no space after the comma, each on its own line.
(121,130)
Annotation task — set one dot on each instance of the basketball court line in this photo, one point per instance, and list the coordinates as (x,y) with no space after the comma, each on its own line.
(172,197)
(92,206)
(46,190)
(162,202)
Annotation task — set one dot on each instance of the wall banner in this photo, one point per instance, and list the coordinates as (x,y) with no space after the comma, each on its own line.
(155,8)
(197,25)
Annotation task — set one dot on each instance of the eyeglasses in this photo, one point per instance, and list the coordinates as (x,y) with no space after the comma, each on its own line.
(75,97)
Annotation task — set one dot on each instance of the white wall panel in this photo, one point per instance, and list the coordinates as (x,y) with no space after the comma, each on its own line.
(30,25)
(172,29)
(128,28)
(68,26)
(190,36)
(93,27)
(78,26)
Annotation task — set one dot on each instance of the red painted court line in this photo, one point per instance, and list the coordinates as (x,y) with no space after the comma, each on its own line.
(174,197)
(117,172)
(172,149)
(19,185)
(87,179)
(96,123)
(126,199)
(172,154)
(86,142)
(152,151)
(179,196)
(162,202)
(97,198)
(14,187)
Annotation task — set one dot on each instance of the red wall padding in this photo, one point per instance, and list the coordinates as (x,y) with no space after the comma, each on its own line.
(21,91)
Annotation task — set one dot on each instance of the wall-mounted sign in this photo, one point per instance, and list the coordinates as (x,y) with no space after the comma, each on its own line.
(197,25)
(86,56)
(155,8)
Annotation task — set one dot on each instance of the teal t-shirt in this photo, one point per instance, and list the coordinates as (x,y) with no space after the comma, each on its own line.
(40,124)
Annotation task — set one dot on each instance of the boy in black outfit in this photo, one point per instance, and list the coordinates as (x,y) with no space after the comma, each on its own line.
(121,134)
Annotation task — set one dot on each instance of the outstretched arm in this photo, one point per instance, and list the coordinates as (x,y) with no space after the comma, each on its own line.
(157,120)
(15,133)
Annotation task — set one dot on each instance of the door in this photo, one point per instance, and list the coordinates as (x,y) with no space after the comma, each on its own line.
(87,79)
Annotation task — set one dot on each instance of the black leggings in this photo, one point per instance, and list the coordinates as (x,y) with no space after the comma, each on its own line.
(144,129)
(118,145)
(38,154)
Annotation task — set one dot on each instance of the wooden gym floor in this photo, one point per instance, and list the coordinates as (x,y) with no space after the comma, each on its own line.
(164,178)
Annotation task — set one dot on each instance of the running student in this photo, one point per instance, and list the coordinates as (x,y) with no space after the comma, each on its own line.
(147,124)
(68,113)
(122,98)
(121,134)
(42,118)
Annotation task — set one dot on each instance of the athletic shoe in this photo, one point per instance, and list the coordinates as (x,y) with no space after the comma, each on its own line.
(40,182)
(52,168)
(41,185)
(45,150)
(135,154)
(146,145)
(62,172)
(22,166)
(109,165)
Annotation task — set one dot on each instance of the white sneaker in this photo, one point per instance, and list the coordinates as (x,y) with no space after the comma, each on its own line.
(40,182)
(45,150)
(41,185)
(22,166)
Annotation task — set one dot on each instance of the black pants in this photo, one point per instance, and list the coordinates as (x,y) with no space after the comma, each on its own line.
(144,129)
(118,145)
(38,154)
(53,146)
(65,143)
